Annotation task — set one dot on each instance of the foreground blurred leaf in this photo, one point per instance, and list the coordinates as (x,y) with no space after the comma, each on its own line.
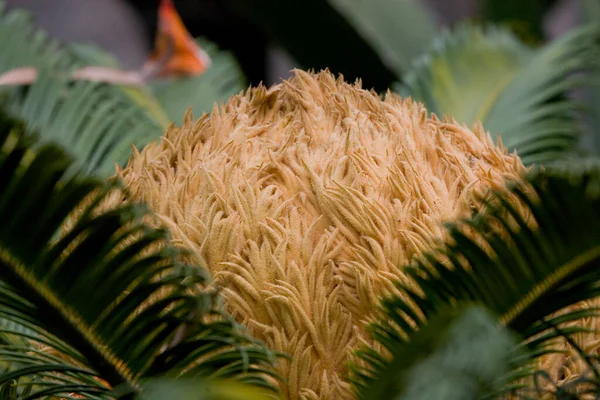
(168,99)
(186,389)
(528,264)
(487,75)
(458,355)
(590,12)
(101,299)
(97,123)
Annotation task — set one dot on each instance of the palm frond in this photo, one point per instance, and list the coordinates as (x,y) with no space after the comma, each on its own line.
(23,44)
(160,389)
(442,352)
(97,123)
(89,54)
(485,74)
(590,13)
(170,98)
(526,265)
(96,127)
(100,297)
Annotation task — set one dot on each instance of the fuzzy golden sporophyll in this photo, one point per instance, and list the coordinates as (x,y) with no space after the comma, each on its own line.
(303,199)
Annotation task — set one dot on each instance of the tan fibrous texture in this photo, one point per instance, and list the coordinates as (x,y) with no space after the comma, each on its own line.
(305,200)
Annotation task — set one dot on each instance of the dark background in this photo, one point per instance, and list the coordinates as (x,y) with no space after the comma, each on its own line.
(320,37)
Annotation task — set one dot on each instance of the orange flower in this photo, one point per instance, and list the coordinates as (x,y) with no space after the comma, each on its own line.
(175,52)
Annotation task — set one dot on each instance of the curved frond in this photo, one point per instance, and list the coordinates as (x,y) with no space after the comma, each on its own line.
(170,98)
(97,127)
(100,297)
(160,389)
(96,123)
(526,265)
(519,93)
(590,13)
(442,352)
(99,122)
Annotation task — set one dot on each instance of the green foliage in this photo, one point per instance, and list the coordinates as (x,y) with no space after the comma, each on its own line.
(98,122)
(169,99)
(461,349)
(160,389)
(590,11)
(24,45)
(487,75)
(96,299)
(539,260)
(86,118)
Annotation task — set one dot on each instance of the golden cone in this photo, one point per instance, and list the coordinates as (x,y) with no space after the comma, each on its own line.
(303,200)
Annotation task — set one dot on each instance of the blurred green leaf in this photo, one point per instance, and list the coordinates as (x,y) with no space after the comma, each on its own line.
(517,92)
(25,45)
(398,30)
(458,355)
(97,127)
(530,255)
(97,123)
(590,12)
(99,298)
(187,389)
(168,99)
(90,54)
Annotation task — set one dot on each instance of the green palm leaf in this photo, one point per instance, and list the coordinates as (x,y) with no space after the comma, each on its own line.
(99,123)
(517,92)
(169,99)
(160,389)
(104,296)
(24,45)
(140,95)
(527,278)
(590,12)
(86,118)
(442,353)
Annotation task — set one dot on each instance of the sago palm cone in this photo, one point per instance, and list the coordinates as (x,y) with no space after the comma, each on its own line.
(304,200)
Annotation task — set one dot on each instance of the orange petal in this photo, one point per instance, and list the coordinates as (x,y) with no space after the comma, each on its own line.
(176,52)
